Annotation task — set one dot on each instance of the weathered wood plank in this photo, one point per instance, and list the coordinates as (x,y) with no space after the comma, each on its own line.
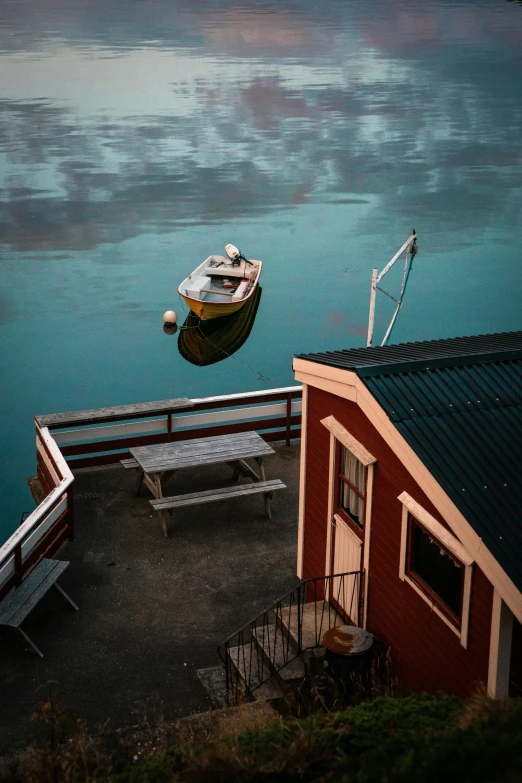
(173,463)
(244,468)
(113,413)
(204,443)
(126,432)
(216,291)
(10,605)
(15,608)
(203,451)
(212,495)
(129,463)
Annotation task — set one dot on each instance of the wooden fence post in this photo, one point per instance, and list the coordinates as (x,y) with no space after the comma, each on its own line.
(288,417)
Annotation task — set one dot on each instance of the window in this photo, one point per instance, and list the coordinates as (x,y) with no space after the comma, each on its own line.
(352,485)
(431,565)
(436,565)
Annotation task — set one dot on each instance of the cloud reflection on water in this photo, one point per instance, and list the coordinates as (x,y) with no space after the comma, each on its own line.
(257,109)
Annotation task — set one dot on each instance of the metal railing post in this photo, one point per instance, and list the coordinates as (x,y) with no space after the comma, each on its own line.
(284,610)
(371,315)
(227,671)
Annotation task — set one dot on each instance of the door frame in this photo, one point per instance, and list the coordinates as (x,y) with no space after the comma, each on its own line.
(339,433)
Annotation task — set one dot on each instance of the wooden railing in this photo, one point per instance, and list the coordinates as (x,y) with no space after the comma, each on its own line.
(49,525)
(101,436)
(275,414)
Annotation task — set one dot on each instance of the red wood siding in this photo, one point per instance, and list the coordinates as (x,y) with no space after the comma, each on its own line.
(427,654)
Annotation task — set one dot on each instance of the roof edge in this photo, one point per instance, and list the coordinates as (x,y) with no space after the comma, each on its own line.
(438,362)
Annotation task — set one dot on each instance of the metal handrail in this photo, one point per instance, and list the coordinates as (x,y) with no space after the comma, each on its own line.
(264,646)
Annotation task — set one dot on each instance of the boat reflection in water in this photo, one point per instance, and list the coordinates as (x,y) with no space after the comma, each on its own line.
(208,342)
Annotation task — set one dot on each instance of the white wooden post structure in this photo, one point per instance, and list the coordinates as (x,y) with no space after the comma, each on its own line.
(410,246)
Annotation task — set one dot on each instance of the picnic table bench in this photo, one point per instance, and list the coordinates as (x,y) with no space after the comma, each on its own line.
(223,493)
(17,605)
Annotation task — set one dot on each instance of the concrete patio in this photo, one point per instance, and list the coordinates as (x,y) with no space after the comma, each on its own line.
(152,610)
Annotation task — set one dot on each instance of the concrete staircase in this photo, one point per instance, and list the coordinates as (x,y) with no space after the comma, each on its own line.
(267,667)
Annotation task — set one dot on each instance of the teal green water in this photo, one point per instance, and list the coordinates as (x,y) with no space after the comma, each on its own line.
(136,138)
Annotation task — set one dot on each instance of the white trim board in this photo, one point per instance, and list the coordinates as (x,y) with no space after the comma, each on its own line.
(302,484)
(329,379)
(499,649)
(348,441)
(410,506)
(434,526)
(329,512)
(367,539)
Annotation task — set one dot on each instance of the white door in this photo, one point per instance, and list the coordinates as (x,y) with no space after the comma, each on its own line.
(346,558)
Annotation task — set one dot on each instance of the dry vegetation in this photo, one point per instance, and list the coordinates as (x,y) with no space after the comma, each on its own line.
(394,739)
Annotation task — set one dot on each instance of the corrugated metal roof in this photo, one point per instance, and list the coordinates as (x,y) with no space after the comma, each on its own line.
(461,412)
(414,356)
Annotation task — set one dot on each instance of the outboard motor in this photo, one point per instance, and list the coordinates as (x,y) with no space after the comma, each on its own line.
(236,256)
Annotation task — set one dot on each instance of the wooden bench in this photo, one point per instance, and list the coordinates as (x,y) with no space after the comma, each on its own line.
(212,495)
(16,606)
(129,463)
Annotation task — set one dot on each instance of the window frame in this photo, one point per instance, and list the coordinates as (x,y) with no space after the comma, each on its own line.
(357,527)
(413,513)
(418,579)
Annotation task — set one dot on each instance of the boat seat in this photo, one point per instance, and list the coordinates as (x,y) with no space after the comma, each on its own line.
(194,286)
(241,290)
(227,271)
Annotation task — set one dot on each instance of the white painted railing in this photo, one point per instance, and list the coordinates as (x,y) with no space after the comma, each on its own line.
(180,422)
(50,522)
(275,414)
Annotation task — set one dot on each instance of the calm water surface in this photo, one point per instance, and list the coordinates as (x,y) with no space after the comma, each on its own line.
(137,137)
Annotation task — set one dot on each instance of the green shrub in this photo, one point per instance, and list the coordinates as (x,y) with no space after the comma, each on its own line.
(421,738)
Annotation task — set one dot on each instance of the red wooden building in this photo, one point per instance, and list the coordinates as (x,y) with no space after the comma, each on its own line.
(410,471)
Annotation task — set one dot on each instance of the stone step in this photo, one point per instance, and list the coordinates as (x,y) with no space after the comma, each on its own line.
(318,617)
(250,665)
(278,646)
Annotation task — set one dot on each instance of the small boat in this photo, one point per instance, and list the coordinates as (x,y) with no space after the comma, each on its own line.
(220,286)
(207,342)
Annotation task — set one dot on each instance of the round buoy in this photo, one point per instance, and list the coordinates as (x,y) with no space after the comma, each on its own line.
(170,317)
(170,328)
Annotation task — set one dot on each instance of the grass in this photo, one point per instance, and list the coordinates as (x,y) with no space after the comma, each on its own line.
(416,737)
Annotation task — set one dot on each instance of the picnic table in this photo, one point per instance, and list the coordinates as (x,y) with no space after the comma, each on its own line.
(155,462)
